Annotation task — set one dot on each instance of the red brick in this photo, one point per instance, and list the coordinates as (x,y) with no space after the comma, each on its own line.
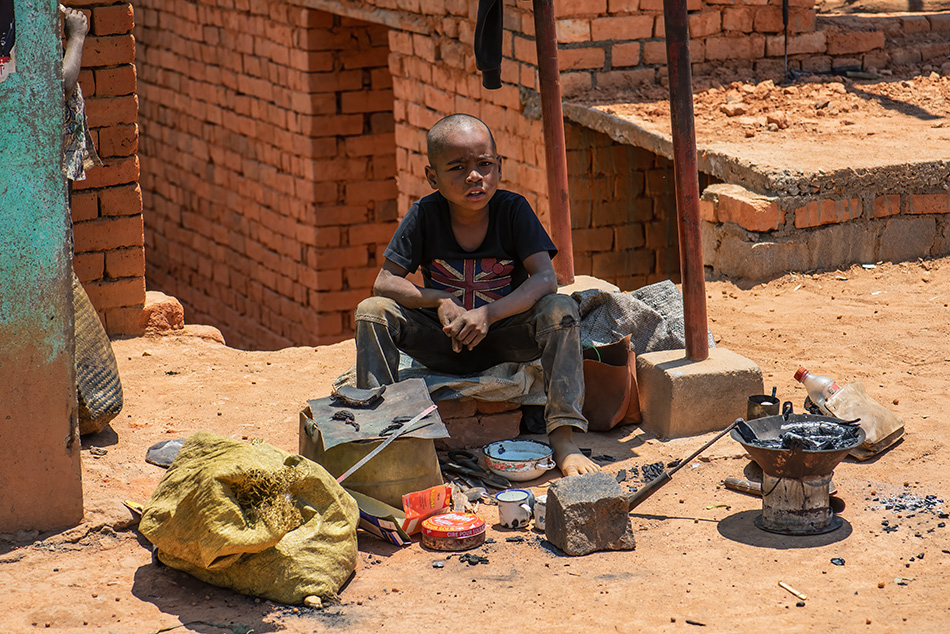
(746,47)
(634,27)
(929,204)
(939,21)
(888,205)
(128,262)
(591,240)
(125,320)
(564,8)
(110,50)
(106,294)
(338,258)
(113,172)
(769,19)
(363,277)
(823,212)
(626,78)
(848,43)
(627,54)
(738,18)
(805,43)
(120,80)
(575,83)
(622,6)
(113,19)
(87,81)
(366,101)
(457,408)
(85,205)
(112,110)
(573,31)
(495,407)
(118,140)
(339,300)
(654,52)
(89,266)
(749,210)
(703,24)
(104,234)
(124,200)
(581,58)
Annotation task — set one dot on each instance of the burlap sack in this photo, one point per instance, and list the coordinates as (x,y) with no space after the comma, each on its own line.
(255,519)
(99,390)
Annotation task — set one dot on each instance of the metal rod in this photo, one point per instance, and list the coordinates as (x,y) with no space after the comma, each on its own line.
(686,179)
(555,151)
(410,426)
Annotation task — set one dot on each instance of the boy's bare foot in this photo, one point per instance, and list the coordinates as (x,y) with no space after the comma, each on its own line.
(567,455)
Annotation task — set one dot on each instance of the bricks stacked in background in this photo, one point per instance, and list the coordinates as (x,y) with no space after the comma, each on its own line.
(473,424)
(269,162)
(107,205)
(622,211)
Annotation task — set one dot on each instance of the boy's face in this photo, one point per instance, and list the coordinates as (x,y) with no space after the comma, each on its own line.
(467,170)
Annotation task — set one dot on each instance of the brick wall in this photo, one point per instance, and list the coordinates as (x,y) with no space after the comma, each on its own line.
(269,165)
(752,236)
(623,213)
(107,206)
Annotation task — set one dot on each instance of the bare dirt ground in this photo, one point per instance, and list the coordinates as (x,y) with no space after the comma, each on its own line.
(699,559)
(857,123)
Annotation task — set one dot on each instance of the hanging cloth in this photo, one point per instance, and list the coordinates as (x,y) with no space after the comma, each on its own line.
(489,29)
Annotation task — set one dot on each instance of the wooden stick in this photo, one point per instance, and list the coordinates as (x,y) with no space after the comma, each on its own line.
(792,590)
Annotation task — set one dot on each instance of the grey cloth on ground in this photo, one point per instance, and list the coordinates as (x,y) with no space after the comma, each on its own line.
(653,315)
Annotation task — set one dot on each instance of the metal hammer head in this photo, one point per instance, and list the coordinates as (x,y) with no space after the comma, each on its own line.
(587,513)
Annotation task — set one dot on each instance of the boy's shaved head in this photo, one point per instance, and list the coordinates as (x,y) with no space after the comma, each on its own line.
(437,139)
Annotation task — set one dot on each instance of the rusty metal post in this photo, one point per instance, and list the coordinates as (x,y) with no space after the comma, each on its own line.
(686,179)
(555,151)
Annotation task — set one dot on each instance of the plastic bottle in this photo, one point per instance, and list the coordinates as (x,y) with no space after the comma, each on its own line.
(819,387)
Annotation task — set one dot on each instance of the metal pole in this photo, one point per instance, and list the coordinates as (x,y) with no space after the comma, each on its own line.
(555,151)
(686,179)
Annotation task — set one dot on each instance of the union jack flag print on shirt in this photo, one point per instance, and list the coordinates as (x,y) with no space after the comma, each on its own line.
(475,281)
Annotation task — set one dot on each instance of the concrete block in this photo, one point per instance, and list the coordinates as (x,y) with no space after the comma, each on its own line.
(680,398)
(588,513)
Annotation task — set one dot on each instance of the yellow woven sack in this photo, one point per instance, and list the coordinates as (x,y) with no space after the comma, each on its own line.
(255,519)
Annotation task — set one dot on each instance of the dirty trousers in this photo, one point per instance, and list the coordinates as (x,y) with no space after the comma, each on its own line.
(548,330)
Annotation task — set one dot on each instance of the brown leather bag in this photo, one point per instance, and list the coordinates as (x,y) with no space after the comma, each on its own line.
(610,380)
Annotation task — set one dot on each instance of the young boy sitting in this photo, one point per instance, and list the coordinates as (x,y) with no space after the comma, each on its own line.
(490,293)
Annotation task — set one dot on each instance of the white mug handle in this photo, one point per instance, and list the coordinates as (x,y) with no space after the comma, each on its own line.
(547,464)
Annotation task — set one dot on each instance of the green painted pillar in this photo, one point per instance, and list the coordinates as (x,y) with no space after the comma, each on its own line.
(40,477)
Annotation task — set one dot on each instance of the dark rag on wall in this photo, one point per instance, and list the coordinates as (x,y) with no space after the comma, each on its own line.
(488,32)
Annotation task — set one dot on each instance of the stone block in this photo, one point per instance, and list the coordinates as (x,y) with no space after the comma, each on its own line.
(907,238)
(588,513)
(679,397)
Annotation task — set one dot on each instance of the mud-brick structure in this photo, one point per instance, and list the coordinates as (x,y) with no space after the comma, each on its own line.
(108,234)
(283,139)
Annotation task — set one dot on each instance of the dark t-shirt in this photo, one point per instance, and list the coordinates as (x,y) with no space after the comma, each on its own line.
(425,239)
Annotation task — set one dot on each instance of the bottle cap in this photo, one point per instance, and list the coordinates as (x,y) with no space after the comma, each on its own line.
(800,374)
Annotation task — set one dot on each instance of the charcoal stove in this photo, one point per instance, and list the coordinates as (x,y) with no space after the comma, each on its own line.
(797,469)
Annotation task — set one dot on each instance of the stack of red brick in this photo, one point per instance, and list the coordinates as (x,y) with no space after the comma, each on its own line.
(107,205)
(473,423)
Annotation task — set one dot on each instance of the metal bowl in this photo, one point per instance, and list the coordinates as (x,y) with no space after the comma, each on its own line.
(519,460)
(784,463)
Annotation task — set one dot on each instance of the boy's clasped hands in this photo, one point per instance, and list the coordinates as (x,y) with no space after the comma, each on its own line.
(466,328)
